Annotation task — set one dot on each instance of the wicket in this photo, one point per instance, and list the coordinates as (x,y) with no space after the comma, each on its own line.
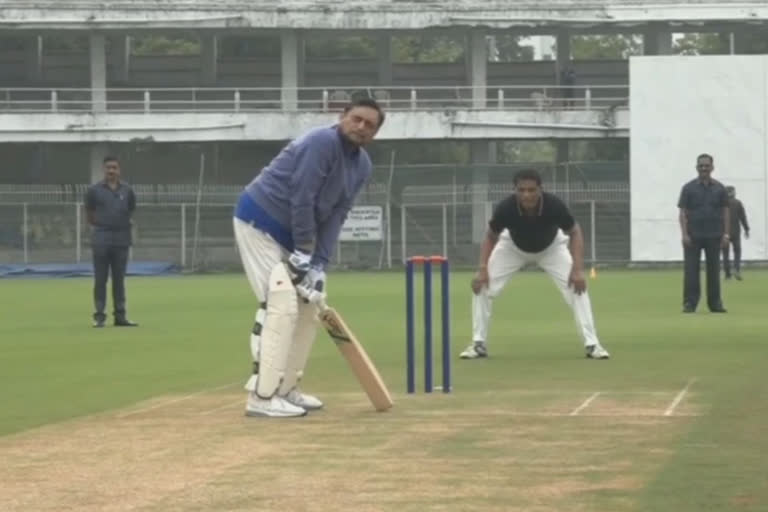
(426,262)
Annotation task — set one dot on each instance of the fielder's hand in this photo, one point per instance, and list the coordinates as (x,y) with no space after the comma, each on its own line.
(480,280)
(298,265)
(577,280)
(312,287)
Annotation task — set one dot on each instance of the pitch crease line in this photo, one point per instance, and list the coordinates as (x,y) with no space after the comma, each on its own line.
(679,398)
(585,404)
(175,400)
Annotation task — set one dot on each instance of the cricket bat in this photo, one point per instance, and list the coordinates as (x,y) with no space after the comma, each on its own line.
(366,373)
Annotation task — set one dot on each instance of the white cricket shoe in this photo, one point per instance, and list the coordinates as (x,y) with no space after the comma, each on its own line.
(596,352)
(474,351)
(275,407)
(303,400)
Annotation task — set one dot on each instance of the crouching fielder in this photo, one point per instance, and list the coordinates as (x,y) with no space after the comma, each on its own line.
(530,226)
(287,222)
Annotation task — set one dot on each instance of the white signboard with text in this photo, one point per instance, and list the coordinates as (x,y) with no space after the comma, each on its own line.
(364,223)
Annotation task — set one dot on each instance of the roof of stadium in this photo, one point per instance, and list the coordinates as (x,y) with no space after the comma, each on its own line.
(373,14)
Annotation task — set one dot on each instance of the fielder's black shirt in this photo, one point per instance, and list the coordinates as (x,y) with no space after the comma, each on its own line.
(532,233)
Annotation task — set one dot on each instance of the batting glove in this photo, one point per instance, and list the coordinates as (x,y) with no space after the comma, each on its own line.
(298,265)
(312,287)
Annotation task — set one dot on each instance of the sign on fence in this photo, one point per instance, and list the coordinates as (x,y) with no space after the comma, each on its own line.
(363,223)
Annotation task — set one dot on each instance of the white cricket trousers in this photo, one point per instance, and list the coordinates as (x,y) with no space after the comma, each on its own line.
(259,253)
(507,259)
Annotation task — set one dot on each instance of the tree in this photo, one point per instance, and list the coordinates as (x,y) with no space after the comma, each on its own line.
(162,45)
(612,46)
(702,44)
(329,47)
(427,48)
(508,49)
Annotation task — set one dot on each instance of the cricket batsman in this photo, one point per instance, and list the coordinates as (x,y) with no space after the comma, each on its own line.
(287,222)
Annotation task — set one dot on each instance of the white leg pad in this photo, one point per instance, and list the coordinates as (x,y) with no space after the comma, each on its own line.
(303,339)
(277,331)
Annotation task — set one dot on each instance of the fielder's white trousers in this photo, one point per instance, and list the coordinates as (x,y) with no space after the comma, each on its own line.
(506,259)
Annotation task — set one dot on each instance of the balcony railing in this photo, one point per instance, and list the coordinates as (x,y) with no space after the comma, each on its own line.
(311,99)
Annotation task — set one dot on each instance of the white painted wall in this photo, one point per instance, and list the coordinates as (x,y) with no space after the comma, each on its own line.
(188,127)
(684,106)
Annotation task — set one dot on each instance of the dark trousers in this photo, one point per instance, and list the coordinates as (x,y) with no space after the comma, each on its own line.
(691,279)
(736,256)
(108,258)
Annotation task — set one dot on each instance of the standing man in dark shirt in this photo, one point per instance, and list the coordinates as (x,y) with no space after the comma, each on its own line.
(532,226)
(109,205)
(738,219)
(705,225)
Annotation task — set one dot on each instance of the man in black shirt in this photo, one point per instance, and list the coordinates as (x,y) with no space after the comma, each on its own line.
(530,226)
(738,218)
(705,225)
(109,205)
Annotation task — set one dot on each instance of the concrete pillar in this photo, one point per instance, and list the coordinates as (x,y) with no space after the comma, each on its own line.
(121,57)
(384,54)
(657,42)
(98,151)
(477,55)
(482,153)
(209,59)
(562,158)
(98,52)
(289,49)
(563,57)
(33,58)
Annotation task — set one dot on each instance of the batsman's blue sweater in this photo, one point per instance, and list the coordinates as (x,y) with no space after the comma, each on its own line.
(303,196)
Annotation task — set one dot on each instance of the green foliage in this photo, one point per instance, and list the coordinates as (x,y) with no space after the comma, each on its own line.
(162,45)
(428,48)
(526,151)
(328,47)
(508,49)
(262,47)
(614,46)
(702,44)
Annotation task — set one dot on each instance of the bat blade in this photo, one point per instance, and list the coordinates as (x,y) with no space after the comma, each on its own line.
(358,360)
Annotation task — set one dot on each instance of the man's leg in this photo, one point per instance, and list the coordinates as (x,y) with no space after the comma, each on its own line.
(737,256)
(100,276)
(692,267)
(272,334)
(303,339)
(505,260)
(712,256)
(556,261)
(726,260)
(119,266)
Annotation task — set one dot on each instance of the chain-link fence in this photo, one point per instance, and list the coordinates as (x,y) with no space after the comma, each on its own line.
(424,210)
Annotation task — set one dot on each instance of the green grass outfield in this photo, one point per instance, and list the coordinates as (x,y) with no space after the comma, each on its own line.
(675,421)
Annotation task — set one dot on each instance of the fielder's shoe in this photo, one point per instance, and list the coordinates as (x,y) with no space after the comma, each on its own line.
(303,400)
(275,407)
(737,276)
(475,350)
(597,352)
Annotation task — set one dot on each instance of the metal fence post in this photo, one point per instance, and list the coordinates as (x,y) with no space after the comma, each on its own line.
(147,102)
(237,100)
(592,229)
(25,231)
(389,235)
(183,235)
(445,230)
(403,244)
(54,101)
(413,99)
(78,242)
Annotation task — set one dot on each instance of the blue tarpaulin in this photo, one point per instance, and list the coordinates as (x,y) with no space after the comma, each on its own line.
(135,268)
